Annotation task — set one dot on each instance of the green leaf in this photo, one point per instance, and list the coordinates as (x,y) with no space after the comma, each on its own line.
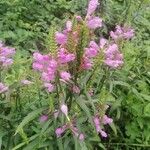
(83,106)
(147,110)
(23,143)
(28,118)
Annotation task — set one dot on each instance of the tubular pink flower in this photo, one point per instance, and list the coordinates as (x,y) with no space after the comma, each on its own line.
(94,23)
(102,43)
(113,57)
(61,38)
(94,45)
(129,34)
(26,82)
(49,87)
(106,120)
(81,137)
(64,109)
(59,131)
(87,63)
(122,33)
(75,132)
(65,75)
(79,18)
(6,54)
(64,56)
(43,118)
(92,7)
(103,133)
(69,26)
(37,56)
(90,52)
(96,121)
(76,89)
(7,62)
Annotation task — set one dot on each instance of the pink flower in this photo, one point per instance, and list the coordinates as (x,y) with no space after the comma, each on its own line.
(87,63)
(128,34)
(37,66)
(7,62)
(3,88)
(59,131)
(43,118)
(106,120)
(64,109)
(7,51)
(69,26)
(75,132)
(61,38)
(49,87)
(79,18)
(6,54)
(91,92)
(94,45)
(102,43)
(81,137)
(92,7)
(103,133)
(96,121)
(56,113)
(48,76)
(37,56)
(76,89)
(113,58)
(90,52)
(65,75)
(94,23)
(64,56)
(26,82)
(122,33)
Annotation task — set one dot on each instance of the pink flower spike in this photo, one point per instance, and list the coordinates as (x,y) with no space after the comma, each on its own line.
(92,7)
(64,109)
(43,118)
(94,23)
(65,75)
(61,38)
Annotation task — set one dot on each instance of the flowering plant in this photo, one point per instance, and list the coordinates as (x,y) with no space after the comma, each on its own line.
(77,103)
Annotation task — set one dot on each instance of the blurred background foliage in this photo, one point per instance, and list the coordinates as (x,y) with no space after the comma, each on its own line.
(25,25)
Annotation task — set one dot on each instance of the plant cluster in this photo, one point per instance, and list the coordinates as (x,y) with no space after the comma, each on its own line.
(63,95)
